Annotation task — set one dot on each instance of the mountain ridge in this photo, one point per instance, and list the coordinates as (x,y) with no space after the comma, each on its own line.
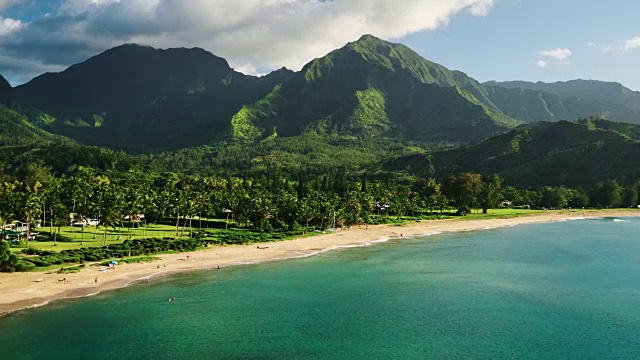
(134,94)
(371,87)
(606,91)
(140,99)
(536,105)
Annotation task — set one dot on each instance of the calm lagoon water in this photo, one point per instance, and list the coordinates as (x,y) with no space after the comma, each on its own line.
(556,290)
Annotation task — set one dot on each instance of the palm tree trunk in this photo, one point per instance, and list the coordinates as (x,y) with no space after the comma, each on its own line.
(28,236)
(44,214)
(184,225)
(130,226)
(177,221)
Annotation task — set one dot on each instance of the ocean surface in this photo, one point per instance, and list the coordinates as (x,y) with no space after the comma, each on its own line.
(564,290)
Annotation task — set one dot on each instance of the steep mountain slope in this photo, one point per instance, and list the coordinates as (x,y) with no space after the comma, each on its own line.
(535,105)
(141,98)
(5,91)
(562,153)
(608,92)
(632,131)
(374,88)
(16,127)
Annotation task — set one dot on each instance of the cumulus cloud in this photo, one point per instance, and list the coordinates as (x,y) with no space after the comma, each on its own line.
(542,64)
(252,34)
(8,25)
(558,54)
(632,43)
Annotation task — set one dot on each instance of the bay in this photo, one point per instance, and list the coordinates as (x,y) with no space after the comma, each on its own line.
(556,290)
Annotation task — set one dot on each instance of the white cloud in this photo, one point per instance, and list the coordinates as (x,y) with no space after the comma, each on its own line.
(8,25)
(249,33)
(542,64)
(602,48)
(558,54)
(632,43)
(481,8)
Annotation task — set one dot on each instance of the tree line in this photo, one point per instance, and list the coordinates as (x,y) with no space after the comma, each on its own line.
(271,202)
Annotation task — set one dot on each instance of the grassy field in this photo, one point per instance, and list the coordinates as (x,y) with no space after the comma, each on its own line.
(502,213)
(510,213)
(115,236)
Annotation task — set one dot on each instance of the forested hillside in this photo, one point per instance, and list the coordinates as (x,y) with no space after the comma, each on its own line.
(562,153)
(568,100)
(143,99)
(608,92)
(372,88)
(369,106)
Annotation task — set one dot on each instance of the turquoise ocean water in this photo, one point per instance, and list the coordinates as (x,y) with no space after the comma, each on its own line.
(545,291)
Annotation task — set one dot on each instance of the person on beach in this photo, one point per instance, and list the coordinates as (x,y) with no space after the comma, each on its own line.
(218,269)
(96,280)
(146,279)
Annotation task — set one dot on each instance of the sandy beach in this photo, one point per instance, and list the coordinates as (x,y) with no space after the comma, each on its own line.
(23,290)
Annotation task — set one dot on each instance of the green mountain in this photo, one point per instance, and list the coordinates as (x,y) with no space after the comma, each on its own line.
(372,88)
(535,105)
(608,92)
(16,128)
(632,131)
(547,153)
(368,103)
(141,99)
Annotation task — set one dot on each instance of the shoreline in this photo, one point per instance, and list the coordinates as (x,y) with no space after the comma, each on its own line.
(20,291)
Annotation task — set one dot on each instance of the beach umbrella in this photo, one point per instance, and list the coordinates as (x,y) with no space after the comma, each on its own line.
(114,262)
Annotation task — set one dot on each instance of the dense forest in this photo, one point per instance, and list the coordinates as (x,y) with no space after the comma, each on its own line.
(273,202)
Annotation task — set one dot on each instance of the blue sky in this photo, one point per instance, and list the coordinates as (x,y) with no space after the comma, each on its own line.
(537,40)
(506,43)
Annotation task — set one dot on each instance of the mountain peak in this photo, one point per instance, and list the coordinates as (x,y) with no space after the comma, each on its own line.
(144,53)
(369,37)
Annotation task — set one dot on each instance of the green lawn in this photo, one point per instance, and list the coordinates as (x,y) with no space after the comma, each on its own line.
(509,213)
(501,213)
(76,236)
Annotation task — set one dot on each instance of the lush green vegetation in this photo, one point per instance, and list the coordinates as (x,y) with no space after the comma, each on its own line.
(565,100)
(194,211)
(563,153)
(371,133)
(373,88)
